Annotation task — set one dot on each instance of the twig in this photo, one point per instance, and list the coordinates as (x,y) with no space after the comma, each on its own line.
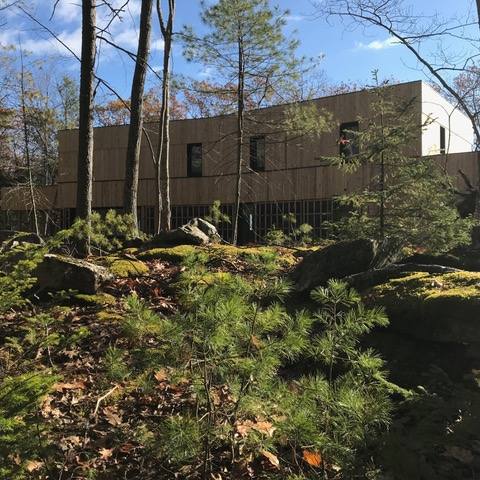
(103,397)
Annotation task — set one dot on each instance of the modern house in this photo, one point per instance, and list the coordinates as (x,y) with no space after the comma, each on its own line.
(282,173)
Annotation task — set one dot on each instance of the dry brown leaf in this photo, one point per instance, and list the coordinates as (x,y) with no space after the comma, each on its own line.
(106,453)
(33,465)
(273,459)
(128,447)
(112,417)
(77,384)
(266,428)
(161,376)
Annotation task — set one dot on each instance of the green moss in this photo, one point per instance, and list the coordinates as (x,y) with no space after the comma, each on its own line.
(97,300)
(109,316)
(173,254)
(443,307)
(128,268)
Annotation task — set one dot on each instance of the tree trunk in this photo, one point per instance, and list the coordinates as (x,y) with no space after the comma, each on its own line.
(85,131)
(240,133)
(163,150)
(130,191)
(26,138)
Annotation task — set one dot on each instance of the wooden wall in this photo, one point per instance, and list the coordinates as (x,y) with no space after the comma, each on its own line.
(293,168)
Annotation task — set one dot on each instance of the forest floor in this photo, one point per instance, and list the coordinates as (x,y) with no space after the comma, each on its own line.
(94,412)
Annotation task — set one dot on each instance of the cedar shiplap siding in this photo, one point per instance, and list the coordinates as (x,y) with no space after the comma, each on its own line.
(293,170)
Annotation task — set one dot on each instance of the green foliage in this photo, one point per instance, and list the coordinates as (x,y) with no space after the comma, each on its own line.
(101,233)
(344,412)
(115,368)
(215,215)
(21,433)
(275,237)
(16,278)
(234,337)
(139,322)
(293,235)
(409,196)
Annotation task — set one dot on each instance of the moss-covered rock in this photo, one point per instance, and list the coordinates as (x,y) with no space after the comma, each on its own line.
(172,254)
(97,300)
(442,308)
(124,267)
(178,253)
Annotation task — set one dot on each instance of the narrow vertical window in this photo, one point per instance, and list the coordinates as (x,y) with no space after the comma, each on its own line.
(257,154)
(442,139)
(194,159)
(349,145)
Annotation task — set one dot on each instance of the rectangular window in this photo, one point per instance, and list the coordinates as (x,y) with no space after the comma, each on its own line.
(194,159)
(442,139)
(349,144)
(257,154)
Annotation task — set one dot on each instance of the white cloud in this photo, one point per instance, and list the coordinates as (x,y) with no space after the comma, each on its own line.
(157,45)
(376,44)
(294,18)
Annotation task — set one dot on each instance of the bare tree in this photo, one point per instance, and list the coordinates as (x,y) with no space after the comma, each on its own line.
(163,149)
(85,131)
(26,138)
(130,191)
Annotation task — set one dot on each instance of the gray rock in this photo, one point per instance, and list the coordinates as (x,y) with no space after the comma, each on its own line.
(19,239)
(342,259)
(196,232)
(58,272)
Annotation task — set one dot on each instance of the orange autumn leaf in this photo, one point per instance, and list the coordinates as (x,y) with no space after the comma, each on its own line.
(313,458)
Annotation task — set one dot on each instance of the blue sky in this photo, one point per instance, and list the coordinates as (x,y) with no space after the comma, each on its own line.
(349,56)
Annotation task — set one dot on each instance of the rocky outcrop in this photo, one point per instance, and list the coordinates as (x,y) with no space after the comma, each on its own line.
(434,307)
(342,259)
(196,232)
(58,273)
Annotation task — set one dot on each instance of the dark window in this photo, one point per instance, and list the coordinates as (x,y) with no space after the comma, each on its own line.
(257,154)
(194,159)
(442,139)
(349,145)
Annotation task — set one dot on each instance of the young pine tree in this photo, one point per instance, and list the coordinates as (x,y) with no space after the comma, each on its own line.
(408,195)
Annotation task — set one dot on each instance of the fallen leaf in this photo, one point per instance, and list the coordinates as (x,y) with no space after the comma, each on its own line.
(266,428)
(273,459)
(161,376)
(112,417)
(106,453)
(77,384)
(128,447)
(313,458)
(33,465)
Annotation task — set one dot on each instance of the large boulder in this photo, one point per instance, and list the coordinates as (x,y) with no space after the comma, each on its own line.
(441,308)
(342,259)
(196,232)
(16,239)
(58,273)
